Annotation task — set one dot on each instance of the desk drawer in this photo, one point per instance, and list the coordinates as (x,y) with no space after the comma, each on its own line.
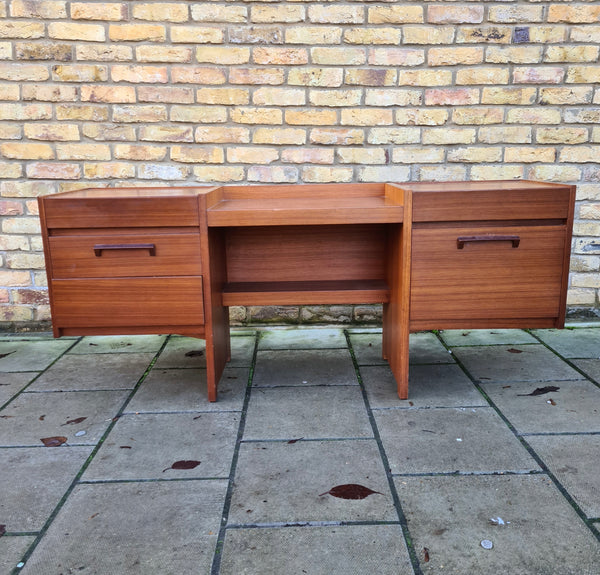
(486,272)
(125,255)
(127,302)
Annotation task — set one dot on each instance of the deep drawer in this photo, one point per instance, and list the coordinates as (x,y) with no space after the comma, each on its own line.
(487,272)
(128,302)
(125,255)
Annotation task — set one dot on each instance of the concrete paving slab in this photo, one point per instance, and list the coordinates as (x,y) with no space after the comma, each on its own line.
(441,385)
(450,516)
(501,363)
(579,342)
(31,355)
(119,344)
(94,372)
(574,407)
(329,550)
(279,482)
(12,549)
(304,367)
(571,459)
(460,337)
(145,446)
(150,528)
(308,412)
(167,390)
(33,416)
(591,367)
(367,348)
(12,383)
(313,338)
(473,440)
(425,347)
(190,352)
(33,482)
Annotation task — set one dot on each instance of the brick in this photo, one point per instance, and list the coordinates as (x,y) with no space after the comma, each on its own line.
(448,136)
(252,155)
(477,116)
(24,72)
(335,98)
(383,174)
(587,228)
(396,57)
(515,14)
(197,75)
(25,189)
(109,132)
(256,35)
(279,97)
(222,135)
(167,94)
(43,51)
(584,33)
(445,14)
(424,77)
(394,135)
(536,116)
(336,136)
(362,155)
(572,53)
(14,278)
(160,12)
(11,208)
(104,53)
(139,74)
(366,117)
(42,9)
(223,55)
(529,154)
(402,14)
(313,35)
(487,34)
(475,155)
(162,172)
(53,171)
(562,135)
(455,56)
(274,174)
(24,261)
(451,96)
(514,54)
(555,173)
(19,29)
(79,73)
(562,96)
(583,75)
(590,211)
(198,114)
(148,53)
(422,117)
(306,155)
(4,296)
(10,170)
(586,246)
(442,173)
(429,35)
(211,12)
(139,114)
(332,14)
(105,11)
(275,55)
(273,76)
(27,151)
(31,296)
(165,134)
(371,36)
(540,75)
(137,33)
(70,31)
(49,93)
(5,50)
(390,97)
(505,134)
(54,132)
(82,152)
(580,154)
(574,14)
(227,96)
(108,94)
(582,115)
(585,191)
(15,313)
(370,77)
(196,35)
(103,171)
(25,112)
(585,297)
(406,155)
(196,155)
(583,263)
(14,242)
(219,173)
(10,132)
(265,14)
(347,55)
(249,115)
(482,75)
(279,136)
(547,34)
(314,76)
(515,96)
(136,152)
(322,174)
(9,92)
(595,135)
(501,172)
(311,117)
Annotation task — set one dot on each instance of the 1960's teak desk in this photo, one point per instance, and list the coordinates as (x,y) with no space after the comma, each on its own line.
(460,255)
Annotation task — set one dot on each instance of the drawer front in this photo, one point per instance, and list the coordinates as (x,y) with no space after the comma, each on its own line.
(485,273)
(127,302)
(125,255)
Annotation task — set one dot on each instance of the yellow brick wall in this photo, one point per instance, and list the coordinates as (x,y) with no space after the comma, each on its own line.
(109,93)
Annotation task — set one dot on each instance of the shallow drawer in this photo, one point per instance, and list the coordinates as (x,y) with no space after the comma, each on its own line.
(125,255)
(488,272)
(127,302)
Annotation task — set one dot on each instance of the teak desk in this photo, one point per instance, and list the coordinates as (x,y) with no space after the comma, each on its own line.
(460,255)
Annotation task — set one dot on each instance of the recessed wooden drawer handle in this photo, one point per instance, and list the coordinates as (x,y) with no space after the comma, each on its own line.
(99,248)
(460,242)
